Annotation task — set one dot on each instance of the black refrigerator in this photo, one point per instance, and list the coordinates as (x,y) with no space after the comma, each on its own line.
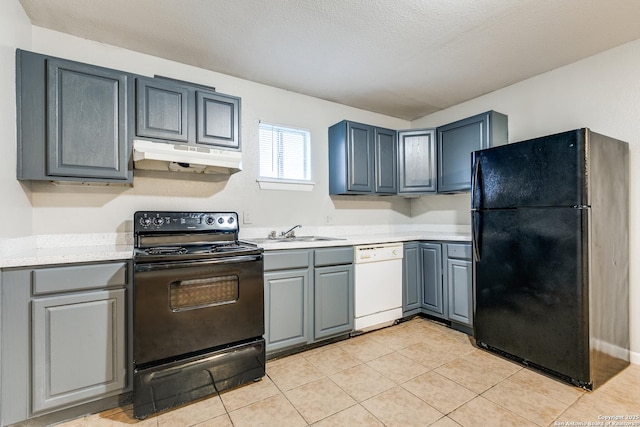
(550,241)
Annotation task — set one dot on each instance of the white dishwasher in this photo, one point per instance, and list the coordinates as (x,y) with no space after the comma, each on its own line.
(378,285)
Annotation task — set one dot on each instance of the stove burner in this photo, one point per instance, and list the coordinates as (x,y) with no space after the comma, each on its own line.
(166,250)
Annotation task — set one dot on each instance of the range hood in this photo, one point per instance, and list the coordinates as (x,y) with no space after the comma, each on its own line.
(162,156)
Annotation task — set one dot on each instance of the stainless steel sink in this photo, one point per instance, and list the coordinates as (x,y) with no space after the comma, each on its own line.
(294,239)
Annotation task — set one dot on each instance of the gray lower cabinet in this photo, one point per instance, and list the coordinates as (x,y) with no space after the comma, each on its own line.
(308,296)
(417,168)
(456,142)
(433,293)
(286,295)
(72,336)
(362,159)
(333,295)
(65,337)
(411,279)
(72,120)
(173,111)
(286,298)
(459,283)
(439,276)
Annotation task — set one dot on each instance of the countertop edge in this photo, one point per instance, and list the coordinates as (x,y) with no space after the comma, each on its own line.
(30,255)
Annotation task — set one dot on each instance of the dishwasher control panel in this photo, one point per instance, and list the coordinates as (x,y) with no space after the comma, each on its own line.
(377,252)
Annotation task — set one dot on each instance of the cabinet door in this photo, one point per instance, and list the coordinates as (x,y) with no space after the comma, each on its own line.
(411,279)
(456,142)
(360,155)
(433,297)
(78,347)
(86,121)
(286,297)
(333,301)
(386,161)
(417,161)
(162,109)
(218,119)
(460,291)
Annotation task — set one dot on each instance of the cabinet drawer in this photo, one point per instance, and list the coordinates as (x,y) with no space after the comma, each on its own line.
(280,260)
(77,277)
(458,251)
(333,256)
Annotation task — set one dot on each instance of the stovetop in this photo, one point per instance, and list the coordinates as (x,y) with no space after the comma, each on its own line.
(171,236)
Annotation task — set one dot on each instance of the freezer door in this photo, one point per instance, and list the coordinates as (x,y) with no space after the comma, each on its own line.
(547,171)
(530,284)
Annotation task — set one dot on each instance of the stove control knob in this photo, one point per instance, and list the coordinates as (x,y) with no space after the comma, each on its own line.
(145,222)
(210,220)
(230,220)
(220,220)
(158,221)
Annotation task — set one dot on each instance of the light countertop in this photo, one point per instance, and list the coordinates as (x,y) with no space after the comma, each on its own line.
(43,250)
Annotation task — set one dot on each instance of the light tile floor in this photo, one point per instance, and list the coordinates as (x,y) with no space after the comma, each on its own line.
(417,373)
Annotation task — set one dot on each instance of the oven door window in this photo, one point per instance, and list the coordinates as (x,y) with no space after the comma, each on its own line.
(199,293)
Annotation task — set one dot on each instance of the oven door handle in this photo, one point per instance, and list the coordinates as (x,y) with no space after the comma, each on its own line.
(193,263)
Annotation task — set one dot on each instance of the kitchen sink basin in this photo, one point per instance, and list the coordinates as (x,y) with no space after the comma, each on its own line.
(294,239)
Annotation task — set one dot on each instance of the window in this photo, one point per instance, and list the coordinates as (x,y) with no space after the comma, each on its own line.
(284,154)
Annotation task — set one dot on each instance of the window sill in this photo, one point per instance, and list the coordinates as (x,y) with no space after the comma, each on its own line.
(286,185)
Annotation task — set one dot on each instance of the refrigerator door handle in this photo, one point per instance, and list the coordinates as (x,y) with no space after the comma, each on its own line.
(475,235)
(474,182)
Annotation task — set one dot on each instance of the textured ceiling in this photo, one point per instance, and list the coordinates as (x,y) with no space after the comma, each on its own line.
(403,58)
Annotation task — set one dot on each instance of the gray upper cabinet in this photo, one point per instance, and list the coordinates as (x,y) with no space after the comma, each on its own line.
(218,119)
(456,142)
(386,155)
(417,161)
(72,120)
(362,159)
(162,109)
(169,110)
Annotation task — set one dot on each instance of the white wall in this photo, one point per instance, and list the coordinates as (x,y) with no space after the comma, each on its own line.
(602,93)
(15,209)
(73,208)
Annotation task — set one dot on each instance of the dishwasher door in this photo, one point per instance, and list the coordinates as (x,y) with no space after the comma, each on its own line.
(378,285)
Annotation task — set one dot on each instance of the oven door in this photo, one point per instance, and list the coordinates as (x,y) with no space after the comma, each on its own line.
(183,308)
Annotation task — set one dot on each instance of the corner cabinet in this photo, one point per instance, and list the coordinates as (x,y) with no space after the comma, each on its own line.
(411,279)
(417,169)
(308,296)
(456,142)
(433,296)
(172,111)
(72,120)
(437,280)
(69,343)
(362,159)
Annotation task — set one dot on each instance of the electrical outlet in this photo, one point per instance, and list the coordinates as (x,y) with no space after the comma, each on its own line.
(328,219)
(247,217)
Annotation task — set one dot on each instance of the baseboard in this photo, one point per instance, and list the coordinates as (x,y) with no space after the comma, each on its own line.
(634,357)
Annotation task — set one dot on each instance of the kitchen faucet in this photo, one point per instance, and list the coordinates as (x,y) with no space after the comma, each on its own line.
(290,232)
